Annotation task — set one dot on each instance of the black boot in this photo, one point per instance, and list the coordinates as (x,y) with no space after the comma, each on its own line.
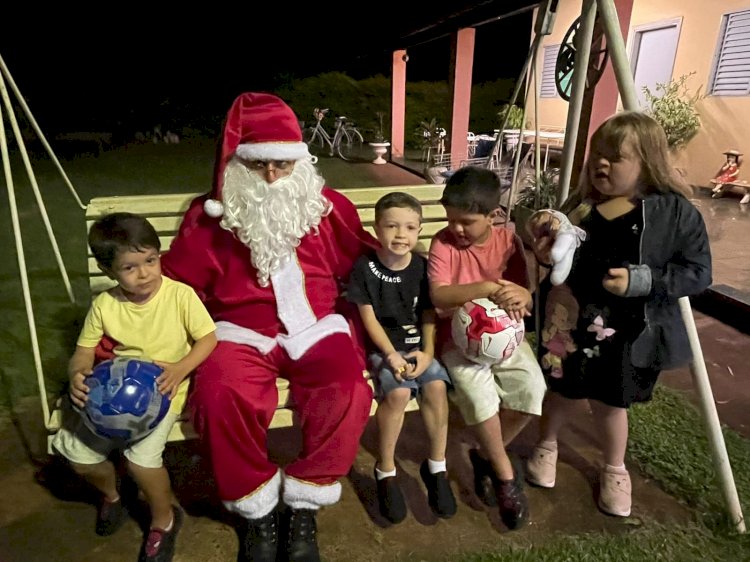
(259,539)
(301,540)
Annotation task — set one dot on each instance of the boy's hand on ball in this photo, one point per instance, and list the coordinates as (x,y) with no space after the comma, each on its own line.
(170,379)
(616,281)
(514,299)
(79,390)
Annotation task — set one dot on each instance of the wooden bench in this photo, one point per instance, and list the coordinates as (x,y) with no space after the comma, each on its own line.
(165,213)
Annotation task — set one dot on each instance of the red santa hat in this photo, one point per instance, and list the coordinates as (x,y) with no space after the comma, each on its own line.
(258,126)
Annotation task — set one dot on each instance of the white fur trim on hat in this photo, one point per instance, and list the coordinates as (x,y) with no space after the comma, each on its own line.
(273,151)
(213,208)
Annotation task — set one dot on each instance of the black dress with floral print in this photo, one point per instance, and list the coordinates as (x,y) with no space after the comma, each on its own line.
(601,367)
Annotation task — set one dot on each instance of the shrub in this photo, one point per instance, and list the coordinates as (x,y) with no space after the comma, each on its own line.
(672,106)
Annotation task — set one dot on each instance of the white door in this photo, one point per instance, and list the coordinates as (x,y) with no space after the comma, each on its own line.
(652,55)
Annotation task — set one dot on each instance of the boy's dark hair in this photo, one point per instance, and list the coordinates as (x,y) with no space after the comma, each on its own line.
(397,199)
(120,232)
(472,190)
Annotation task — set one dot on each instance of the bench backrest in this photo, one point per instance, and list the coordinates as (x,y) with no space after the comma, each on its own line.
(165,213)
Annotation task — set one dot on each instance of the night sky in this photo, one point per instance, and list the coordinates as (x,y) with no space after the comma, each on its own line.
(77,74)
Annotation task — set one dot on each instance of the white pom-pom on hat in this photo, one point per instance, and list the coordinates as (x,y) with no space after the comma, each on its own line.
(213,208)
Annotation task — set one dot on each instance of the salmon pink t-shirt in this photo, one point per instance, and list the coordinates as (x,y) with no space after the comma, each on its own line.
(501,256)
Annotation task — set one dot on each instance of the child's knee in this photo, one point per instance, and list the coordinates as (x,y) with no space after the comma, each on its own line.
(398,398)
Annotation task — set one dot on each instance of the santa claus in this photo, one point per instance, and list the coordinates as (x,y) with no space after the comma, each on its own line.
(268,252)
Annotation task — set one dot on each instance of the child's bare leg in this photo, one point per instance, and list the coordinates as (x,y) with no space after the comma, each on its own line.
(614,424)
(512,423)
(556,411)
(102,476)
(434,410)
(390,418)
(490,438)
(154,483)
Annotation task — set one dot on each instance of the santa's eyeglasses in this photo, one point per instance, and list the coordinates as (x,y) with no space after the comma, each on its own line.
(272,164)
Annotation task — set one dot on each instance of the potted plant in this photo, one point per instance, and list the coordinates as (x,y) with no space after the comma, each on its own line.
(431,138)
(511,121)
(674,108)
(378,143)
(534,196)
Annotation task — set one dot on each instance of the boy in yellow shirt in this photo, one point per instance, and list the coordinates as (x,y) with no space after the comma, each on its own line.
(147,316)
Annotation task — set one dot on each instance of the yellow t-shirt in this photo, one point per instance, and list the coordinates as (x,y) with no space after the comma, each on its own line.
(163,329)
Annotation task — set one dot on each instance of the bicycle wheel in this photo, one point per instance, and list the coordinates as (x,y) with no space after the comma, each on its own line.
(314,140)
(350,147)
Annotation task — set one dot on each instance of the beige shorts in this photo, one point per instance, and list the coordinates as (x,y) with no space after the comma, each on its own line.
(80,445)
(479,391)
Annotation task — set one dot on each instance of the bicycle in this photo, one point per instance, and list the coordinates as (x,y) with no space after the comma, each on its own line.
(347,141)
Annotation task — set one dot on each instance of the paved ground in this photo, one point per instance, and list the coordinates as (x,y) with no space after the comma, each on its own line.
(46,515)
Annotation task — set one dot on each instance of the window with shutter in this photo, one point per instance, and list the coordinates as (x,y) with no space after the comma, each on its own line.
(548,89)
(731,71)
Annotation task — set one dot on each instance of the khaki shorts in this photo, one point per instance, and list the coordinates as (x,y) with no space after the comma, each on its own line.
(80,445)
(479,391)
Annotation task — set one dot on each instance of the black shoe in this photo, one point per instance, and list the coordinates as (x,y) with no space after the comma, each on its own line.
(390,499)
(483,475)
(512,501)
(110,517)
(259,539)
(301,540)
(439,493)
(159,544)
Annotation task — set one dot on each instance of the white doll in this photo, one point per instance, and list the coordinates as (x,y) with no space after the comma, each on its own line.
(567,237)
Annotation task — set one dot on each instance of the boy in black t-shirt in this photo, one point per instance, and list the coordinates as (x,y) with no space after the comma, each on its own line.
(391,290)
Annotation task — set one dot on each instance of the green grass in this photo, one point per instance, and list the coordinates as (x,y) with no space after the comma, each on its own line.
(668,442)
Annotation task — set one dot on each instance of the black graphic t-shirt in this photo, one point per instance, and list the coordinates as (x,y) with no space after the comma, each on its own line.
(398,298)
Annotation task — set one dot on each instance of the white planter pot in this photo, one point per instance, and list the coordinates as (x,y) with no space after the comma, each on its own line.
(379,148)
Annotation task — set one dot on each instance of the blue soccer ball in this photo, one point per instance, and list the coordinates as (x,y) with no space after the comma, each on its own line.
(124,401)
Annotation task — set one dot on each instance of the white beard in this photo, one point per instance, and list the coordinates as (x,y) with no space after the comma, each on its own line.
(271,219)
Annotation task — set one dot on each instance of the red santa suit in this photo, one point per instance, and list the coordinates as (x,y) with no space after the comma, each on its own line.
(290,328)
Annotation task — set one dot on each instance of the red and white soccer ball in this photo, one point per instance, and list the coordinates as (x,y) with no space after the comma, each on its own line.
(485,333)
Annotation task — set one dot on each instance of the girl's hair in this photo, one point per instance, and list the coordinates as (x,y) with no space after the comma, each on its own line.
(473,190)
(120,232)
(649,142)
(397,199)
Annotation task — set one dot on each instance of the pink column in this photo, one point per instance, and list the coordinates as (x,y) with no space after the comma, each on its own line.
(398,103)
(606,94)
(462,64)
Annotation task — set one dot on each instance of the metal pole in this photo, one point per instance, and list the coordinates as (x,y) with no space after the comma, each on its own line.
(22,268)
(35,188)
(4,70)
(626,85)
(582,45)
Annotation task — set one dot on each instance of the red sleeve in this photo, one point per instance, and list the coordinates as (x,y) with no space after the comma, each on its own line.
(352,240)
(517,270)
(191,258)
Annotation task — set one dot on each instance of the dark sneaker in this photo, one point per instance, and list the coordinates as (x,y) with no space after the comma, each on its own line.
(259,539)
(301,540)
(110,517)
(439,493)
(390,499)
(483,475)
(512,501)
(159,544)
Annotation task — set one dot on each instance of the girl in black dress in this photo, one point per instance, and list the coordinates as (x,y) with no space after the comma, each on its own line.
(646,246)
